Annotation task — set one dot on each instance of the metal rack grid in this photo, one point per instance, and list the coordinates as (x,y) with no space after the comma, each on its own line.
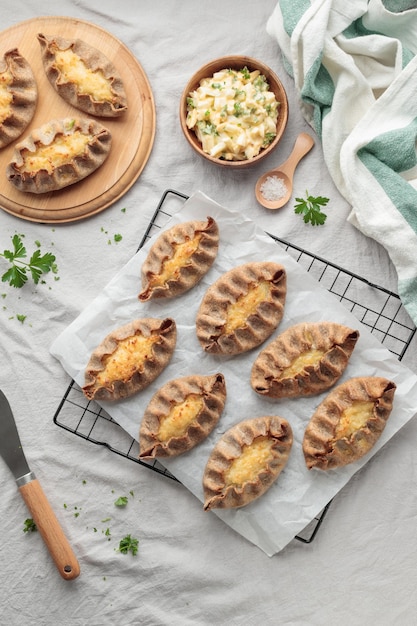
(377,308)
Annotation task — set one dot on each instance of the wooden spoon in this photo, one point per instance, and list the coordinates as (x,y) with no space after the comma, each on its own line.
(285,172)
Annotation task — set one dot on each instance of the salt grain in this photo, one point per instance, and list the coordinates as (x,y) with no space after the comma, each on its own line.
(273,188)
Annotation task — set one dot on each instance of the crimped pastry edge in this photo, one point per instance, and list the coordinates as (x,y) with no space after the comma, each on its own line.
(25,96)
(163,351)
(198,264)
(69,173)
(229,446)
(94,60)
(227,289)
(337,340)
(321,449)
(213,390)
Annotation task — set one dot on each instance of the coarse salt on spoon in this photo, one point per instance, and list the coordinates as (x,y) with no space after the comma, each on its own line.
(274,188)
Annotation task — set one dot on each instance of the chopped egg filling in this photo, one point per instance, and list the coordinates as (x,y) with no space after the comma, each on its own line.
(251,462)
(128,358)
(89,82)
(233,114)
(171,267)
(311,357)
(238,312)
(62,150)
(354,418)
(176,423)
(6,97)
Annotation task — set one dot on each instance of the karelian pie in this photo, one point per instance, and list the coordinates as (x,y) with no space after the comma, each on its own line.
(245,462)
(129,358)
(304,360)
(18,96)
(179,258)
(83,76)
(242,308)
(348,423)
(181,414)
(58,154)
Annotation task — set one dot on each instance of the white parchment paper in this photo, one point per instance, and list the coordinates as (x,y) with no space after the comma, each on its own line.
(299,494)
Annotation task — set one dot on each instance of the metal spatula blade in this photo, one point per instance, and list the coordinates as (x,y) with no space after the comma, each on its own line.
(12,452)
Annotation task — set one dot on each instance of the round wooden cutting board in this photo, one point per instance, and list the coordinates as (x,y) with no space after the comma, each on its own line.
(132,133)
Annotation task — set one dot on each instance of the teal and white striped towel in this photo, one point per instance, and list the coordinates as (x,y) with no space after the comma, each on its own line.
(354,66)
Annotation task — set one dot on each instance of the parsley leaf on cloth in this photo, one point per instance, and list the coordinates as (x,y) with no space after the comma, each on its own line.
(17,274)
(310,209)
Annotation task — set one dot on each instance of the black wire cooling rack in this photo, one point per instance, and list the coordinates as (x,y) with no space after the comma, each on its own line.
(377,308)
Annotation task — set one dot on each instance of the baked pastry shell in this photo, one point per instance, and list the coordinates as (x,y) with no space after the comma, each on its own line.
(190,273)
(336,340)
(95,60)
(321,447)
(219,495)
(24,92)
(81,166)
(162,352)
(211,315)
(211,388)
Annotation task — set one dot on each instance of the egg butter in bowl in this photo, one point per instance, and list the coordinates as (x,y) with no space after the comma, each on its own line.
(234,111)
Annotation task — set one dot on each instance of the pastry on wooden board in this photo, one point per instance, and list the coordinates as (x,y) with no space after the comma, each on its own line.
(83,76)
(246,461)
(18,96)
(179,258)
(58,154)
(181,414)
(129,358)
(304,360)
(242,308)
(348,423)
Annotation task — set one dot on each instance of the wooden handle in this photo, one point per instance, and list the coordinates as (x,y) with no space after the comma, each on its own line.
(303,144)
(50,529)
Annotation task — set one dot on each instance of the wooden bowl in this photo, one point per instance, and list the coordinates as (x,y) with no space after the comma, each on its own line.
(235,62)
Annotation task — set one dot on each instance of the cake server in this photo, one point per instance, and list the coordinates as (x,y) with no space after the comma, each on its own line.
(12,452)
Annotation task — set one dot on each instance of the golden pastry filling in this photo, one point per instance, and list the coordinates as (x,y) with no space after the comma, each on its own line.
(90,83)
(126,359)
(310,357)
(354,418)
(176,423)
(6,97)
(238,312)
(62,150)
(171,267)
(251,462)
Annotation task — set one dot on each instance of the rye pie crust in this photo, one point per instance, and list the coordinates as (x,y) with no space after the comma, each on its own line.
(242,308)
(83,76)
(348,423)
(304,360)
(246,461)
(179,258)
(18,96)
(58,154)
(129,358)
(181,414)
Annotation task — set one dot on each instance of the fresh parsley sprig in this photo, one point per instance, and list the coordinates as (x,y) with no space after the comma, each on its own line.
(309,207)
(20,270)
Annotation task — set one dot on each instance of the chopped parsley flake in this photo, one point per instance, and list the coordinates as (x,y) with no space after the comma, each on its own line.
(122,501)
(29,526)
(128,544)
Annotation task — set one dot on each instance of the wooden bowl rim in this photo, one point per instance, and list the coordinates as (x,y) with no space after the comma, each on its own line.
(235,62)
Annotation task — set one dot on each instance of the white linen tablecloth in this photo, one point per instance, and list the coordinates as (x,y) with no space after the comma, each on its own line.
(191,568)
